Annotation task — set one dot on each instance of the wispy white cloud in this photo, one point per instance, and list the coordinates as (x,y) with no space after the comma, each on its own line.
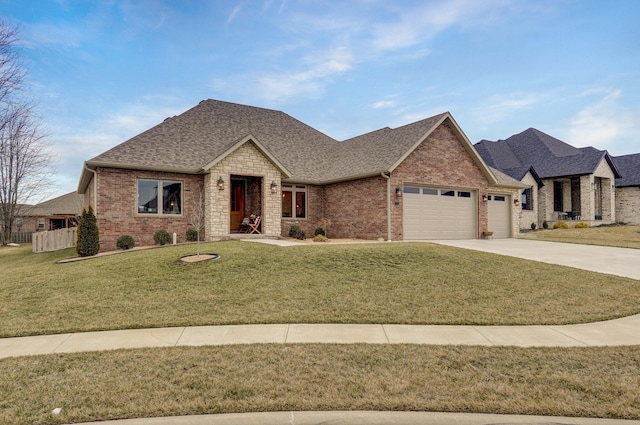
(605,123)
(410,26)
(234,14)
(501,106)
(383,104)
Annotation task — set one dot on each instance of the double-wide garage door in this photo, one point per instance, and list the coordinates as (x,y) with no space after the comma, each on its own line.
(437,213)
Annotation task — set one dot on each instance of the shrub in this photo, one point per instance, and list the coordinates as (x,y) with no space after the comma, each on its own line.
(581,225)
(294,231)
(560,225)
(320,238)
(192,234)
(125,242)
(533,226)
(319,231)
(545,225)
(88,242)
(162,237)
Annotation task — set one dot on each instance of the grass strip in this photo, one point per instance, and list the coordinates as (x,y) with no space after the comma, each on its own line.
(616,235)
(585,382)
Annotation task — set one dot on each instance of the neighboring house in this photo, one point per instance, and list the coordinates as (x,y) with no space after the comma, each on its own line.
(57,213)
(563,182)
(420,181)
(628,189)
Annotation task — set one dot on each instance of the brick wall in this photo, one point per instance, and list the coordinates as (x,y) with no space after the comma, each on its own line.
(441,160)
(357,209)
(117,211)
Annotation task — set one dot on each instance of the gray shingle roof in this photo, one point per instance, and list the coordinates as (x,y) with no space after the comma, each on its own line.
(190,141)
(548,156)
(629,167)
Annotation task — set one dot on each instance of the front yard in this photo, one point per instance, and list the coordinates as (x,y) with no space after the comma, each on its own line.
(256,283)
(412,283)
(621,236)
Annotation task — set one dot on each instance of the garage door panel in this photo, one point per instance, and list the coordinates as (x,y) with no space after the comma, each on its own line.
(430,215)
(499,211)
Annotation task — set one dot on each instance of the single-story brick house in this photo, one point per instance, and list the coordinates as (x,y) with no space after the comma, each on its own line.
(628,189)
(565,182)
(420,181)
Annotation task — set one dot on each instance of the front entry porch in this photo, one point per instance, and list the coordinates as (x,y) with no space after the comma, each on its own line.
(245,203)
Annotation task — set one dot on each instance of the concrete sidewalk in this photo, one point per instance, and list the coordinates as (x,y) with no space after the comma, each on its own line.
(365,418)
(624,331)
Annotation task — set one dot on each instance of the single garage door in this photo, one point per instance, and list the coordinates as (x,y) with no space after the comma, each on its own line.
(499,215)
(437,213)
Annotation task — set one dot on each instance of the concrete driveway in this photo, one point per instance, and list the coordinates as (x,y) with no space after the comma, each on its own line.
(616,261)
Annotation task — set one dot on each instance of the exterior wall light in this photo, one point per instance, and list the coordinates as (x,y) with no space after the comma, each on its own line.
(484,198)
(516,202)
(274,187)
(398,192)
(220,183)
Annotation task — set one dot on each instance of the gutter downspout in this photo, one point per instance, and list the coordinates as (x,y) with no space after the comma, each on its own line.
(95,189)
(388,205)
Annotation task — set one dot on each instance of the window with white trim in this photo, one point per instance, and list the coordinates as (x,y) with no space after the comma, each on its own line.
(294,201)
(161,197)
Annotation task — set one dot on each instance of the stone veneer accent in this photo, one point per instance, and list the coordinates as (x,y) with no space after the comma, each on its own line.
(246,160)
(628,204)
(117,211)
(530,216)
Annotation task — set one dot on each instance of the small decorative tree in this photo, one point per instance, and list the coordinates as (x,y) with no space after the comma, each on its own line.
(197,215)
(88,242)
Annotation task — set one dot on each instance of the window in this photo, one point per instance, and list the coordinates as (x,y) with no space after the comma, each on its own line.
(294,201)
(499,198)
(428,191)
(411,189)
(527,199)
(447,193)
(464,194)
(159,197)
(41,224)
(558,197)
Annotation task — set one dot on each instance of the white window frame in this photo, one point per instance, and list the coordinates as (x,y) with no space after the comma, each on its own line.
(160,200)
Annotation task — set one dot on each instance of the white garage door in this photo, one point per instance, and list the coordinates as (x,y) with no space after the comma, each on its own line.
(499,215)
(436,213)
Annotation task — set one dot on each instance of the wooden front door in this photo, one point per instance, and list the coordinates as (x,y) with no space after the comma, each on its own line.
(238,190)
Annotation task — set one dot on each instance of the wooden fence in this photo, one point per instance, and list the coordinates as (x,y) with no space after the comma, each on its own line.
(19,237)
(53,240)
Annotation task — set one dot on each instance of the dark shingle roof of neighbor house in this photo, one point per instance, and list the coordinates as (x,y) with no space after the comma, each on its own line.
(548,156)
(629,166)
(198,137)
(68,204)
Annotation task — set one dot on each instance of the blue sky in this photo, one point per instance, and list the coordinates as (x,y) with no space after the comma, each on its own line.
(103,71)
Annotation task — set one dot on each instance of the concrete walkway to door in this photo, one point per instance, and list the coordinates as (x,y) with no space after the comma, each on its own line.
(603,259)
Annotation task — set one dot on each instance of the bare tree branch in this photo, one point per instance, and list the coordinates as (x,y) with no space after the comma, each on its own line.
(24,154)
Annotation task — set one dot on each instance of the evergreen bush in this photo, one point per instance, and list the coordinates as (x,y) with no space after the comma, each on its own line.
(125,242)
(88,242)
(162,237)
(319,231)
(294,231)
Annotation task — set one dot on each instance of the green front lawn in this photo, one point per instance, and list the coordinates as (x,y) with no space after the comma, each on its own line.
(255,283)
(595,382)
(414,283)
(620,236)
